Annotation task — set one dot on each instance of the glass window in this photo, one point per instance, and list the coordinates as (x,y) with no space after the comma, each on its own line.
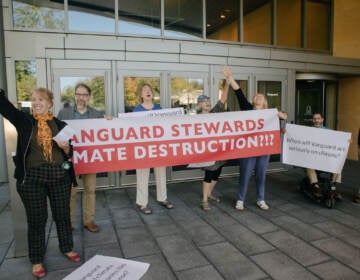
(222,20)
(288,23)
(180,21)
(131,86)
(272,90)
(25,72)
(318,24)
(257,21)
(92,16)
(309,99)
(96,83)
(140,17)
(45,15)
(184,93)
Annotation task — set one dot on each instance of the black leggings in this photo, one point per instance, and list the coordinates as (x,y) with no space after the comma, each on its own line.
(212,175)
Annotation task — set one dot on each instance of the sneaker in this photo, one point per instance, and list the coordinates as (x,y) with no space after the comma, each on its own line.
(262,205)
(239,205)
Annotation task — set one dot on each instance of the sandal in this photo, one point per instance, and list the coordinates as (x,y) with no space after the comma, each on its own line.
(205,206)
(145,210)
(166,204)
(214,198)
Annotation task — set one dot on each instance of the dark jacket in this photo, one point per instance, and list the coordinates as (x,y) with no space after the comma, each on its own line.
(68,113)
(24,124)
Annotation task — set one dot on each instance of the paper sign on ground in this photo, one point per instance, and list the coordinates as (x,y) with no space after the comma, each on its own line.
(315,148)
(109,268)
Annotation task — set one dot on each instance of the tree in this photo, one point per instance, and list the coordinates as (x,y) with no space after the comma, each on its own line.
(25,72)
(29,16)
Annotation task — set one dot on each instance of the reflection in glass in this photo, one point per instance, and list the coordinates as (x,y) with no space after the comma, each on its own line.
(257,21)
(137,18)
(222,20)
(92,16)
(272,90)
(96,83)
(232,103)
(180,21)
(131,87)
(43,15)
(184,93)
(25,72)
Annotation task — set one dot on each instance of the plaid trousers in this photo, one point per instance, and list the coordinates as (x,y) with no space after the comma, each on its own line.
(42,182)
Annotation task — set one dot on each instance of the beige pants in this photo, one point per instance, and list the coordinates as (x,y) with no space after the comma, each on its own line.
(89,182)
(311,173)
(142,185)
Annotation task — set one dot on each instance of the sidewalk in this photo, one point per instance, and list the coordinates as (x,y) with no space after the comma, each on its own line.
(295,239)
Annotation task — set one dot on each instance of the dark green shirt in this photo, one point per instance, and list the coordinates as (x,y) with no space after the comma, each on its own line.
(35,156)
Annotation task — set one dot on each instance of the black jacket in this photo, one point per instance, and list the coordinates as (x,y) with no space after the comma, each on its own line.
(24,124)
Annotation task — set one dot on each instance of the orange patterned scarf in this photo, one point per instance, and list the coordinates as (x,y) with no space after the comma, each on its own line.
(44,135)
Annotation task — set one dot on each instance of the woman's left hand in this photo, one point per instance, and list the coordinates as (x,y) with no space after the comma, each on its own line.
(282,115)
(64,145)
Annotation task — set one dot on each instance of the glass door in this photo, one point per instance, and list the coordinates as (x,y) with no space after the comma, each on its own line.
(273,88)
(130,83)
(65,81)
(316,96)
(231,166)
(184,89)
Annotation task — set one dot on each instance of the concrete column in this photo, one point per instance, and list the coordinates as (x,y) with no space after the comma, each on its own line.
(3,169)
(8,141)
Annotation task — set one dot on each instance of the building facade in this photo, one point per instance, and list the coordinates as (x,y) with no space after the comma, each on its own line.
(303,54)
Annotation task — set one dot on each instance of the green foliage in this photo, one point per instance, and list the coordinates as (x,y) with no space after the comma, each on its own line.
(29,16)
(25,72)
(131,85)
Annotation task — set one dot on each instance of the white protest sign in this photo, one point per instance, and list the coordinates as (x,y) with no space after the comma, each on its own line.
(109,268)
(64,135)
(154,113)
(315,148)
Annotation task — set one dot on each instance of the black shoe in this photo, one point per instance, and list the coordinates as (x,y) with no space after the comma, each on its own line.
(316,191)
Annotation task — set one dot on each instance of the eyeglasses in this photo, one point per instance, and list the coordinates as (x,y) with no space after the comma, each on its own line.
(82,94)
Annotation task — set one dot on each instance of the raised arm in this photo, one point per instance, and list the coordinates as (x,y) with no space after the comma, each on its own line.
(228,75)
(244,104)
(224,93)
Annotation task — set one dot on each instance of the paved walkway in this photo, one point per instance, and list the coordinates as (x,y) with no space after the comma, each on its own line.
(295,239)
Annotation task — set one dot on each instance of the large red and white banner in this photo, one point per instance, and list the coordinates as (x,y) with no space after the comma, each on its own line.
(102,145)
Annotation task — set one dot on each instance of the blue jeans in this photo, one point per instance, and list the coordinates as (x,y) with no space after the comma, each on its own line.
(247,165)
